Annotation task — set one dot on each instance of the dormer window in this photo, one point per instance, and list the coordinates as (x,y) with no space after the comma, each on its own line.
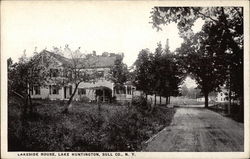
(100,74)
(53,89)
(54,72)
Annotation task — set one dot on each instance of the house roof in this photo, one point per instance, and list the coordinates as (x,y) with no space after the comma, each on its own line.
(100,61)
(89,61)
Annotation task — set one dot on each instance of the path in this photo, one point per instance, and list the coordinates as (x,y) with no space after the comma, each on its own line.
(198,130)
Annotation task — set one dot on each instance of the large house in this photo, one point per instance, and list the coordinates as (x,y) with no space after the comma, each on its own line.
(88,91)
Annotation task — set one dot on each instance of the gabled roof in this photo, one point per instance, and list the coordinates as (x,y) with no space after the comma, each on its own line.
(100,61)
(89,61)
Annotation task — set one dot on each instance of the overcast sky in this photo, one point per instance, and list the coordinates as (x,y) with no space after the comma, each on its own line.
(91,26)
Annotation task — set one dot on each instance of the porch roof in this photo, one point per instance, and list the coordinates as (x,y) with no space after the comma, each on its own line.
(97,87)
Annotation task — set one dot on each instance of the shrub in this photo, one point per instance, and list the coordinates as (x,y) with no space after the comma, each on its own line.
(123,133)
(140,103)
(84,129)
(84,99)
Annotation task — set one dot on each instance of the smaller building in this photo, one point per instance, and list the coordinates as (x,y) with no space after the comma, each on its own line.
(222,96)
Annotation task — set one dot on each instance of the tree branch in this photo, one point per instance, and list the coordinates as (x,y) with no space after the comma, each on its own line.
(17,94)
(216,21)
(240,14)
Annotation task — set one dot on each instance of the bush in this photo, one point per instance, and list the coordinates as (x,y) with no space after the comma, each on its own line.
(140,103)
(85,128)
(84,99)
(123,133)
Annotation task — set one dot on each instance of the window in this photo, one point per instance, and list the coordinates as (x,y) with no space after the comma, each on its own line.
(120,90)
(70,90)
(100,74)
(221,94)
(31,90)
(129,90)
(37,90)
(54,72)
(53,89)
(81,91)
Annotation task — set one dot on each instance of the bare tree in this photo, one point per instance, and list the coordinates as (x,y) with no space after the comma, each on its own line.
(78,70)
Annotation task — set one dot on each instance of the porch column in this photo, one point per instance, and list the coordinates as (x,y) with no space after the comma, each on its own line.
(62,92)
(113,93)
(126,90)
(103,91)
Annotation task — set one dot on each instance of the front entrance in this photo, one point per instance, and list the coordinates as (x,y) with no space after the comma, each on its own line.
(67,92)
(104,93)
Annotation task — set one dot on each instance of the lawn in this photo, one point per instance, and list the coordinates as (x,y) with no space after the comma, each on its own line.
(177,101)
(222,108)
(85,128)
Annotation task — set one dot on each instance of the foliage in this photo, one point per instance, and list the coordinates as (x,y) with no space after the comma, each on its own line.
(119,73)
(222,108)
(158,73)
(204,65)
(140,103)
(24,75)
(115,128)
(220,42)
(143,72)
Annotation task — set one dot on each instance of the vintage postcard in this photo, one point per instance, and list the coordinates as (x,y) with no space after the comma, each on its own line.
(124,79)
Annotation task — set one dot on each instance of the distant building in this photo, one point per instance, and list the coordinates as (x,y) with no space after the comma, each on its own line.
(221,96)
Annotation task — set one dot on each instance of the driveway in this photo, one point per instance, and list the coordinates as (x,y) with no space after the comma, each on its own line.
(198,130)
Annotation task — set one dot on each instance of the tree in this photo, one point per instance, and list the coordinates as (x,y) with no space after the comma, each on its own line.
(184,90)
(23,76)
(225,35)
(143,76)
(202,63)
(119,73)
(75,72)
(158,73)
(170,74)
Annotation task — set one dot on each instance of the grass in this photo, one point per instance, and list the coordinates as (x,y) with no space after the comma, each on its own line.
(85,128)
(184,101)
(222,108)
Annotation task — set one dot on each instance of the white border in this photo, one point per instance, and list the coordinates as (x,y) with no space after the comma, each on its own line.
(245,154)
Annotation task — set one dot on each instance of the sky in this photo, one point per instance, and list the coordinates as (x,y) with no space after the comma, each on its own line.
(103,27)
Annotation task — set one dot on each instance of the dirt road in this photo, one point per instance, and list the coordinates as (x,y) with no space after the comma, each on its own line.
(198,130)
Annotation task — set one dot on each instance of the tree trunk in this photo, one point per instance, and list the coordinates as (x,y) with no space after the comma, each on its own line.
(98,103)
(69,103)
(169,100)
(155,100)
(241,112)
(206,100)
(230,98)
(160,100)
(166,100)
(30,104)
(148,104)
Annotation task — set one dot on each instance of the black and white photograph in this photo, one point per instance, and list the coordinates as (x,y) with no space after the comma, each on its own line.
(123,79)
